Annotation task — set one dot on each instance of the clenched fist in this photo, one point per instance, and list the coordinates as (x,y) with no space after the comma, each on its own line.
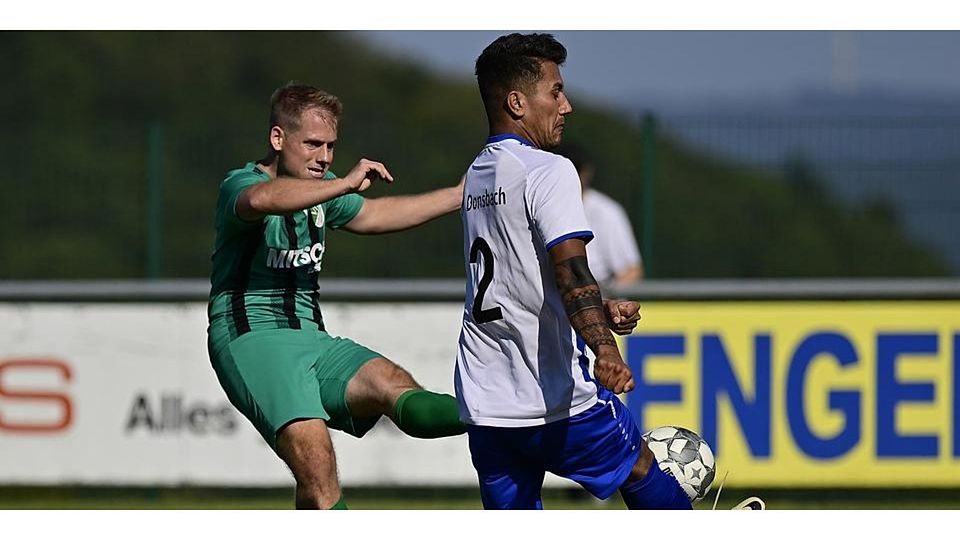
(622,315)
(612,373)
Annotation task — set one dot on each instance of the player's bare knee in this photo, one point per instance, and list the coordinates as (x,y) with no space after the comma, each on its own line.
(390,375)
(376,387)
(642,465)
(306,448)
(399,380)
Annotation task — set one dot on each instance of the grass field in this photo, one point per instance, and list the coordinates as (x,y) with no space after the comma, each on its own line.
(146,498)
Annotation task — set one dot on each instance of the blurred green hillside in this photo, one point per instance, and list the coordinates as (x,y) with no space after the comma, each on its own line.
(78,109)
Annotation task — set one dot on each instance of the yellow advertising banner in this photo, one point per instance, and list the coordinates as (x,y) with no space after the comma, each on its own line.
(802,393)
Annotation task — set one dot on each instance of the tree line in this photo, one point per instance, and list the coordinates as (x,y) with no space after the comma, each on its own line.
(79,107)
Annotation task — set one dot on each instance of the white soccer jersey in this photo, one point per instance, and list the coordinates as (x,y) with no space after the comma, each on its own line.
(519,361)
(614,248)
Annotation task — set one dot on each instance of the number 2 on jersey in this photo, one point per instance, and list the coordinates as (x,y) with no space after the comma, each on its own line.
(480,315)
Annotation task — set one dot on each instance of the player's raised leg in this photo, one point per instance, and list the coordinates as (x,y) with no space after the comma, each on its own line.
(603,450)
(381,387)
(305,446)
(649,488)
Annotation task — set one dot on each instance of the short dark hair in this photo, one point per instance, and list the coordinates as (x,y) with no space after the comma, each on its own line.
(513,62)
(577,154)
(288,103)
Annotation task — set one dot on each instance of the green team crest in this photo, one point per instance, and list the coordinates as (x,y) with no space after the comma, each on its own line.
(317,215)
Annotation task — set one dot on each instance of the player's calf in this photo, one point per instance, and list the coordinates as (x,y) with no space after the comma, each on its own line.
(374,388)
(654,489)
(306,448)
(428,415)
(382,387)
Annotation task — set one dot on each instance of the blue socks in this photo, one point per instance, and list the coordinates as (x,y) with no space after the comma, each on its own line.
(655,491)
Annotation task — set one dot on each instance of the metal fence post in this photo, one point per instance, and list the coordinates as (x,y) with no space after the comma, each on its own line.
(648,172)
(154,200)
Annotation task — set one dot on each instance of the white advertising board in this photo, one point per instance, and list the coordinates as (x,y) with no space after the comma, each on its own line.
(124,394)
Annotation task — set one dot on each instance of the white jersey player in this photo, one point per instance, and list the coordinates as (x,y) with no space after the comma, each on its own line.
(537,366)
(519,201)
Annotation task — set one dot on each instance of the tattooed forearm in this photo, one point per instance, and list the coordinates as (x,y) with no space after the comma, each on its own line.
(582,302)
(594,333)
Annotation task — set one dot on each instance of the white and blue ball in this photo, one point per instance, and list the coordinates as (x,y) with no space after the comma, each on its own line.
(684,455)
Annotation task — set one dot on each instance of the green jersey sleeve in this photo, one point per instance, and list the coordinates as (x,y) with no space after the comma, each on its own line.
(230,190)
(341,210)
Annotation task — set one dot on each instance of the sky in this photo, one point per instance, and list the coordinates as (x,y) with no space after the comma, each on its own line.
(684,67)
(771,73)
(658,53)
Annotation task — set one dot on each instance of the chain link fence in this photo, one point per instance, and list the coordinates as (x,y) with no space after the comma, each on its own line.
(909,165)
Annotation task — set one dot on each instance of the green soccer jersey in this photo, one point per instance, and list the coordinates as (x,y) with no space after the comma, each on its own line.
(265,271)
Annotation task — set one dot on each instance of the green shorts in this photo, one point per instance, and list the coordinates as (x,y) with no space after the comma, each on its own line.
(277,376)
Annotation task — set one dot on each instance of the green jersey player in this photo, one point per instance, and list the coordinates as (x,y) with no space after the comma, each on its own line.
(266,338)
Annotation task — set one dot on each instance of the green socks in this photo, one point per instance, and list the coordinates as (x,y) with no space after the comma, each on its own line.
(426,415)
(340,505)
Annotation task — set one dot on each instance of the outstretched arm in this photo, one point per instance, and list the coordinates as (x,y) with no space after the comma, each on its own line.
(587,313)
(397,213)
(283,195)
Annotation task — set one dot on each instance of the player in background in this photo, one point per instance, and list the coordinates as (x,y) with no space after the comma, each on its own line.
(534,321)
(613,253)
(266,337)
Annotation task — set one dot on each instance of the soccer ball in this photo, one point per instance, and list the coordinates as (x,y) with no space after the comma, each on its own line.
(685,456)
